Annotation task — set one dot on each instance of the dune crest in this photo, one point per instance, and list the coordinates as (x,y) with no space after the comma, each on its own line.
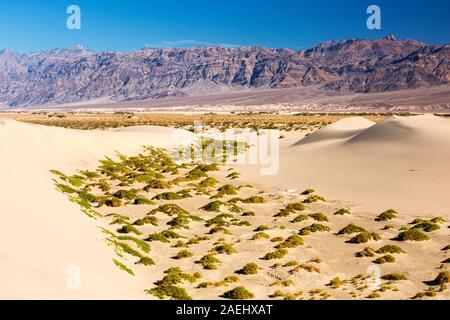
(45,234)
(341,129)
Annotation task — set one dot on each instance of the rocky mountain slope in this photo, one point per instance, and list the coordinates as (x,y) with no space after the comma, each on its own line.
(76,74)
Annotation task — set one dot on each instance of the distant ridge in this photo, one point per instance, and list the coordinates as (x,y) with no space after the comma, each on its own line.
(75,74)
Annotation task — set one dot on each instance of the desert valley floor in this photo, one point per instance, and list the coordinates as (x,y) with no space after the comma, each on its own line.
(359,209)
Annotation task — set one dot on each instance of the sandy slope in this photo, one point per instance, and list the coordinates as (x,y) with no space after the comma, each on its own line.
(43,233)
(402,162)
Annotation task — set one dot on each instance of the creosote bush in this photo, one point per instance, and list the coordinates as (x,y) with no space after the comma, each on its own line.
(411,235)
(366,252)
(249,269)
(365,237)
(208,262)
(183,254)
(314,228)
(387,215)
(394,277)
(350,229)
(390,248)
(238,293)
(277,254)
(342,212)
(385,259)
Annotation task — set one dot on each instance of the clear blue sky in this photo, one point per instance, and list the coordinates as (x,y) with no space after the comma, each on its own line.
(31,25)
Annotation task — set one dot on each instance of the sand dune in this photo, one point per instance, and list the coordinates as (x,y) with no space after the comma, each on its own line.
(402,162)
(341,129)
(44,234)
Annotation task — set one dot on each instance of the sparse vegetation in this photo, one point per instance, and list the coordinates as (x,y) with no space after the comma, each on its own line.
(387,215)
(238,293)
(412,235)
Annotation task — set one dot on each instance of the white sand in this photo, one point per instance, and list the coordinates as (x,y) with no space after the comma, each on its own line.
(402,162)
(43,233)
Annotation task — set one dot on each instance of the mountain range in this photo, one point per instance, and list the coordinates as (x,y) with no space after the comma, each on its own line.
(75,74)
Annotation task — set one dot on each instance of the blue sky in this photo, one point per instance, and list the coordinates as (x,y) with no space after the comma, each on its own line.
(119,25)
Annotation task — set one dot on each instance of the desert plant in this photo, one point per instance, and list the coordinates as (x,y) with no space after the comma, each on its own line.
(277,254)
(213,206)
(128,228)
(260,235)
(442,278)
(300,218)
(319,217)
(249,269)
(366,252)
(350,229)
(291,242)
(394,277)
(387,215)
(314,228)
(411,235)
(183,254)
(238,293)
(385,259)
(225,248)
(342,212)
(335,283)
(208,262)
(314,198)
(146,261)
(308,192)
(254,199)
(365,237)
(390,248)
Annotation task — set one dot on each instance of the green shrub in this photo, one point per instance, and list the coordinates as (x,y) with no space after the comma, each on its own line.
(390,248)
(342,212)
(262,228)
(260,235)
(249,214)
(238,293)
(300,218)
(308,192)
(366,252)
(224,190)
(225,248)
(442,278)
(278,254)
(171,209)
(126,194)
(208,183)
(350,229)
(314,198)
(183,254)
(385,259)
(411,235)
(427,226)
(123,267)
(277,239)
(284,213)
(146,261)
(146,220)
(183,194)
(387,215)
(254,199)
(291,263)
(142,201)
(365,237)
(195,174)
(291,242)
(144,246)
(248,269)
(394,277)
(319,217)
(208,262)
(297,206)
(112,202)
(128,228)
(335,283)
(157,184)
(314,228)
(213,206)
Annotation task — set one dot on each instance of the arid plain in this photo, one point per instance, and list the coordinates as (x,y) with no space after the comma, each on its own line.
(358,207)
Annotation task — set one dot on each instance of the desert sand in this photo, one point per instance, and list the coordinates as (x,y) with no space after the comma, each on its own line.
(400,163)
